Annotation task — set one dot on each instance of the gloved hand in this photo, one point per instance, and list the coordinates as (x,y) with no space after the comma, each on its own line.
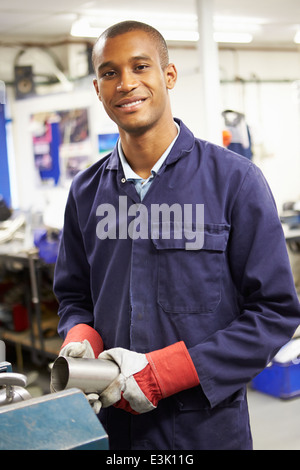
(78,349)
(82,341)
(94,401)
(145,379)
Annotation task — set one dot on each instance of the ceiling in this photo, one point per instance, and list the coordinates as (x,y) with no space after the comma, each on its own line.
(273,23)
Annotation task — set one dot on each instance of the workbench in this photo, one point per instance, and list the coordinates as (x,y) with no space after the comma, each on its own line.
(33,339)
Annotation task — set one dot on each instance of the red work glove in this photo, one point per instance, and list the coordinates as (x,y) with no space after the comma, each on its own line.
(147,378)
(82,341)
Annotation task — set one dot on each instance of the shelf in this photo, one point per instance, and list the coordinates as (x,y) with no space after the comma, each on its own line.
(51,345)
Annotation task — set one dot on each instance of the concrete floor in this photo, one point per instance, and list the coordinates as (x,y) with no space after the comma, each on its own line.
(275,423)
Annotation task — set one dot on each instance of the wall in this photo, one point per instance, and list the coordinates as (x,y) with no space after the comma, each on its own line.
(262,85)
(28,180)
(269,97)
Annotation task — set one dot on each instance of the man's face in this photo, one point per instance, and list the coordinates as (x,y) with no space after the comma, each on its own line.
(130,82)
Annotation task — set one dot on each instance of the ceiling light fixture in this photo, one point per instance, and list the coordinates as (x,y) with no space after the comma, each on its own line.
(189,36)
(81,28)
(84,27)
(238,24)
(297,37)
(240,38)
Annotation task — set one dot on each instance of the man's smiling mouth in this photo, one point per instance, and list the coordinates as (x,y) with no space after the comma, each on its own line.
(133,103)
(130,103)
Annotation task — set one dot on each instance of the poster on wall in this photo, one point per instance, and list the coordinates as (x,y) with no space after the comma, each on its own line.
(61,142)
(106,143)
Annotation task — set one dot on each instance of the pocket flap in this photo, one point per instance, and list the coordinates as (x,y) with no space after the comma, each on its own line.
(214,237)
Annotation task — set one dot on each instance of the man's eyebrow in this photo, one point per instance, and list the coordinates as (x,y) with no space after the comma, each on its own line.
(140,57)
(111,63)
(105,64)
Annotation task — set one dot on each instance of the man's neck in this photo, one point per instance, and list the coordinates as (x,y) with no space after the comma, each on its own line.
(143,151)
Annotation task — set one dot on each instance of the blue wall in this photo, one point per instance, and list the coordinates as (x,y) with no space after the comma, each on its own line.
(4,169)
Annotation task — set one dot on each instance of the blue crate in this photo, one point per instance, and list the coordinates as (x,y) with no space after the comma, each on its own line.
(47,243)
(280,380)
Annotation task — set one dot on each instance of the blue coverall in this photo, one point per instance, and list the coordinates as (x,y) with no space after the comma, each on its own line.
(233,302)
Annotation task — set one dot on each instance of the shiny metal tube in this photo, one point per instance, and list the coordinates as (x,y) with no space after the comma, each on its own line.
(13,390)
(89,375)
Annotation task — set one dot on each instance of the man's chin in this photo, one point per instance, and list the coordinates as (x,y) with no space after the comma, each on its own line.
(135,128)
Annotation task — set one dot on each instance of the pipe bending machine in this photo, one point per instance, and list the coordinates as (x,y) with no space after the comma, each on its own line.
(59,421)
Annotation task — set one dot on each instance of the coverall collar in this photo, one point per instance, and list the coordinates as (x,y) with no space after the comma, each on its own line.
(184,144)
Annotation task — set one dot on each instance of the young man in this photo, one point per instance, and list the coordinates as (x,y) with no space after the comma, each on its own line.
(191,308)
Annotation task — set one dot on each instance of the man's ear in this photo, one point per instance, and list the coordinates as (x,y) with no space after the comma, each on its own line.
(170,76)
(95,83)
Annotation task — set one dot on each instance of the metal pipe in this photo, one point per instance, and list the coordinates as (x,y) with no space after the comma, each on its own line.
(89,375)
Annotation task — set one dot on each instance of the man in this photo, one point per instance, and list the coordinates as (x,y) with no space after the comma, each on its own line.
(190,309)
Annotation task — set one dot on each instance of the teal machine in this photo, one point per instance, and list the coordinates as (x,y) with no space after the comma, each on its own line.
(58,421)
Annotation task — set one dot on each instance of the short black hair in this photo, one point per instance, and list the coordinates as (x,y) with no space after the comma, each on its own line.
(131,25)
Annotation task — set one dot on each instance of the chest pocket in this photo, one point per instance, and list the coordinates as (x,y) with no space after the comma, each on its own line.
(189,281)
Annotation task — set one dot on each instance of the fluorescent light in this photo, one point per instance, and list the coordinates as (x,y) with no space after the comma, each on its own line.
(241,38)
(297,37)
(82,28)
(190,36)
(184,26)
(238,24)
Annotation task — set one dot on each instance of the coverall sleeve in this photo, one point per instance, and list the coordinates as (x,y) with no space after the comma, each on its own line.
(269,314)
(72,275)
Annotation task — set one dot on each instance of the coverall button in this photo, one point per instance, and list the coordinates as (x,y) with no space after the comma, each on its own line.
(123,180)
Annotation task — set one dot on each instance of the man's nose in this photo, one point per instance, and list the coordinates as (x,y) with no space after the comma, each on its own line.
(127,82)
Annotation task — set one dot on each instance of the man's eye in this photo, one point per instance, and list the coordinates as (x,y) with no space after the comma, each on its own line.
(141,67)
(108,74)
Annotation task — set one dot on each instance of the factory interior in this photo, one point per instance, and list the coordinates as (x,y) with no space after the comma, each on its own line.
(238,86)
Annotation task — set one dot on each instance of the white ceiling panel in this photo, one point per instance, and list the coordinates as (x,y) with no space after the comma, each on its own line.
(274,22)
